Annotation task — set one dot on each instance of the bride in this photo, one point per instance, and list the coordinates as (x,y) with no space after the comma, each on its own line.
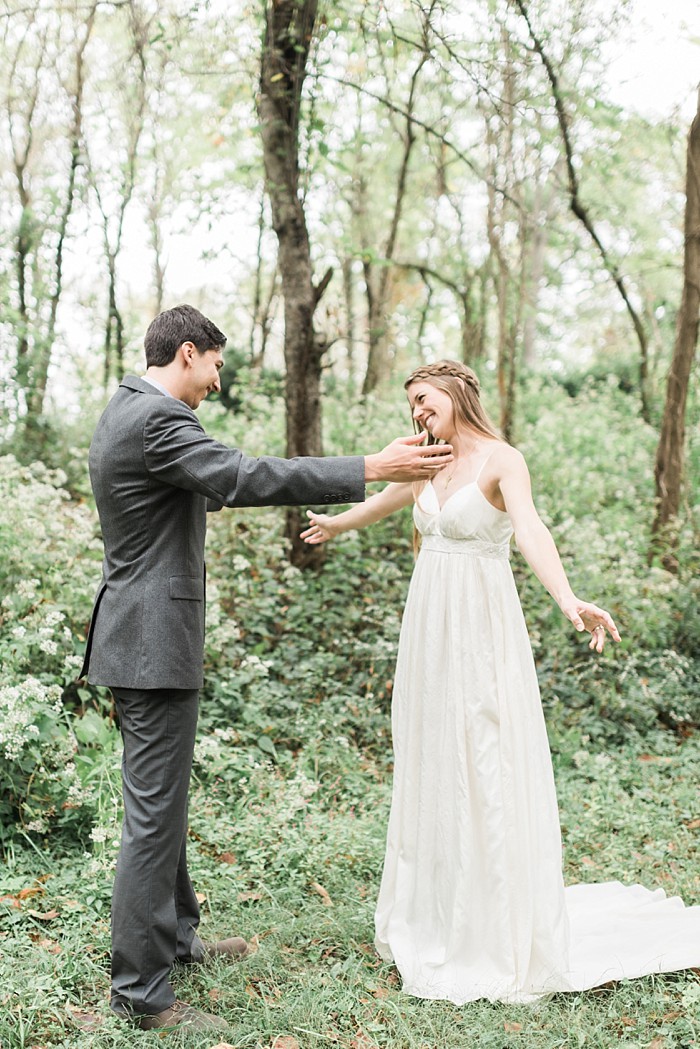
(472,902)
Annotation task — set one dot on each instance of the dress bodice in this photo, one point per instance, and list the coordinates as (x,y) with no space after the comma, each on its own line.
(465,517)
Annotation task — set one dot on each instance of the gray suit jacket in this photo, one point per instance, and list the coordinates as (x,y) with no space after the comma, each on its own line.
(155,473)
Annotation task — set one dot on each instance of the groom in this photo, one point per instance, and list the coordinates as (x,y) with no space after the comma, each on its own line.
(155,473)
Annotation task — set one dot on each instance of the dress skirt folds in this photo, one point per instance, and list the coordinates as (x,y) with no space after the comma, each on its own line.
(472,902)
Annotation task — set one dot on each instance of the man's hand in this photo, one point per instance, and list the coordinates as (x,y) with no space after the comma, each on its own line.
(405,459)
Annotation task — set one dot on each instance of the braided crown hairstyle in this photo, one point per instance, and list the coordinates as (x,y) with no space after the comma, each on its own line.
(461,385)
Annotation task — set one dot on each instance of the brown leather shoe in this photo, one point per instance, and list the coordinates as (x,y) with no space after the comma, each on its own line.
(180,1014)
(235,947)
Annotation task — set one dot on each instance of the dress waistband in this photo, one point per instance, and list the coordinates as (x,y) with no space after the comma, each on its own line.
(472,547)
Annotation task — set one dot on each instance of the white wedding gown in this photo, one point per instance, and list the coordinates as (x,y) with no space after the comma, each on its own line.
(472,902)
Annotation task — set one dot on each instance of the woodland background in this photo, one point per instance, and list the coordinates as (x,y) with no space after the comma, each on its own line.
(347,190)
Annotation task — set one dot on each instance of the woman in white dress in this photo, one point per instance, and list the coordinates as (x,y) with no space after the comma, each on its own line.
(472,902)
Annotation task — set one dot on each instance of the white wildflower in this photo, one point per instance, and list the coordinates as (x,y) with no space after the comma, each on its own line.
(27,588)
(39,826)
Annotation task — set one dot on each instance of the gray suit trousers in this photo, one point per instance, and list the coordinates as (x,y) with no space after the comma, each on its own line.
(155,913)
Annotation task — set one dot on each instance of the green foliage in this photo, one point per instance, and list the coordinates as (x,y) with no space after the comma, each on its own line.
(49,742)
(295,862)
(590,458)
(292,766)
(299,666)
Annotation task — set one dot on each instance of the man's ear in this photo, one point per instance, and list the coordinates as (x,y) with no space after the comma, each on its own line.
(188,350)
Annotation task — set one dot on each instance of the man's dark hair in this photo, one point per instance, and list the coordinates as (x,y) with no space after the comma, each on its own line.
(172,327)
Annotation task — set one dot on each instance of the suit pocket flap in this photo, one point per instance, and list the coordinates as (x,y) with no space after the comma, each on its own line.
(186,588)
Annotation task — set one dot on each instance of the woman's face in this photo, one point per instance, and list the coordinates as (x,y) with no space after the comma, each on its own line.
(432,409)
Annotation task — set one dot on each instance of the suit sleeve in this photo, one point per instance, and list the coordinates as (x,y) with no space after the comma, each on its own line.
(178,452)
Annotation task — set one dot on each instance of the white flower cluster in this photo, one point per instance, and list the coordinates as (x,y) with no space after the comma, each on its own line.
(213,747)
(294,796)
(260,667)
(19,707)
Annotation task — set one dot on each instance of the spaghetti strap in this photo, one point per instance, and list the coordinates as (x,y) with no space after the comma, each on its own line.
(482,466)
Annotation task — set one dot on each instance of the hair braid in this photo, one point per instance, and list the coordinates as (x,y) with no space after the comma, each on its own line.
(445,369)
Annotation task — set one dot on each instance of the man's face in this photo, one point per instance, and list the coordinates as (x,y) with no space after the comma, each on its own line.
(202,375)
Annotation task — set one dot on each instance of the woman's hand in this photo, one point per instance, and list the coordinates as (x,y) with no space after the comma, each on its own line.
(586,616)
(321,529)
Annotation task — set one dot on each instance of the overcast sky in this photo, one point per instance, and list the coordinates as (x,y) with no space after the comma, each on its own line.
(656,70)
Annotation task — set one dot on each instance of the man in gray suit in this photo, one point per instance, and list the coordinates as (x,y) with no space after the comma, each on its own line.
(155,473)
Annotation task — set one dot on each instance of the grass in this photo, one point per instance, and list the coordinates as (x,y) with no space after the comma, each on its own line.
(296,864)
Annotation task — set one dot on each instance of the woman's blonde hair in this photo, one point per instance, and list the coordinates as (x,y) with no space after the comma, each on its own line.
(461,385)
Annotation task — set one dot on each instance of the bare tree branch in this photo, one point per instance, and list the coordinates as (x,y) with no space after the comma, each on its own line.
(428,128)
(579,209)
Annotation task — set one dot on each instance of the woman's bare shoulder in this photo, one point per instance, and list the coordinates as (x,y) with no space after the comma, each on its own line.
(504,457)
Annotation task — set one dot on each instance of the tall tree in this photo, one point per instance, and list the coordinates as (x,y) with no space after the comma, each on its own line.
(289,29)
(378,279)
(113,177)
(580,210)
(668,472)
(37,67)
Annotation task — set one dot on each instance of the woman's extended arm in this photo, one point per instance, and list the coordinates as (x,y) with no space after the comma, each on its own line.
(537,546)
(390,499)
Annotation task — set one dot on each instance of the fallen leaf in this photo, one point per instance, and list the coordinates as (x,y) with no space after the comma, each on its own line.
(670,1017)
(323,893)
(362,1041)
(84,1020)
(511,1028)
(245,897)
(227,857)
(24,894)
(285,1041)
(379,992)
(627,1021)
(222,1045)
(48,945)
(657,1043)
(11,901)
(46,916)
(693,825)
(201,897)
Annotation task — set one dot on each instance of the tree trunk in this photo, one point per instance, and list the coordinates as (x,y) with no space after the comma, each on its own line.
(350,314)
(288,33)
(668,471)
(43,348)
(378,360)
(582,213)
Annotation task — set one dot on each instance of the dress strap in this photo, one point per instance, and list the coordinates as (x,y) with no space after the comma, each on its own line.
(483,465)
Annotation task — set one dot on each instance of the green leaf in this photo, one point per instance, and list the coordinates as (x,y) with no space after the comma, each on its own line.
(266,745)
